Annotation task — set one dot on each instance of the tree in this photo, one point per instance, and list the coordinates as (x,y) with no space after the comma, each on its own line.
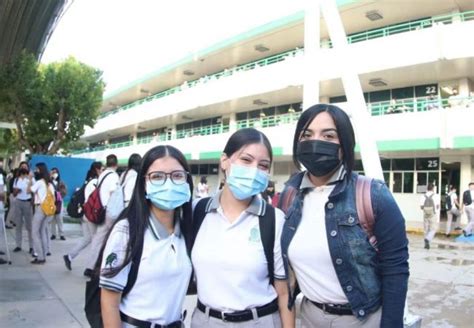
(50,104)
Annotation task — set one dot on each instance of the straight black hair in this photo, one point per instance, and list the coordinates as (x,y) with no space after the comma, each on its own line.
(92,173)
(344,128)
(244,137)
(43,171)
(138,211)
(134,162)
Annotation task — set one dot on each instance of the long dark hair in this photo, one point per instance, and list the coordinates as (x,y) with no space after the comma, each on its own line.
(59,174)
(134,162)
(92,173)
(43,172)
(138,211)
(344,128)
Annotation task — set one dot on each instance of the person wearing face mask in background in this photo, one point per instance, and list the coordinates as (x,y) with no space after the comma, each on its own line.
(235,286)
(151,226)
(60,192)
(346,280)
(21,202)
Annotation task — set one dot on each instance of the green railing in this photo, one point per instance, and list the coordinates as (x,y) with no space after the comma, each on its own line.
(202,131)
(420,104)
(354,38)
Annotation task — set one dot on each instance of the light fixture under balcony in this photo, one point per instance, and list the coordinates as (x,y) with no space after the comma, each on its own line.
(261,48)
(373,15)
(188,72)
(377,82)
(186,117)
(259,102)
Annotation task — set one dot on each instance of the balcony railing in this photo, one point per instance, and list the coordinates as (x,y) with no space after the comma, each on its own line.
(354,38)
(420,104)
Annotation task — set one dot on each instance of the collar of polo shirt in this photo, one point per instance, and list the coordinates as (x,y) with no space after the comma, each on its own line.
(159,231)
(256,206)
(336,177)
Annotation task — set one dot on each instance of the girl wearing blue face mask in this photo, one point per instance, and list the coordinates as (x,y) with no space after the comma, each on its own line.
(148,233)
(236,286)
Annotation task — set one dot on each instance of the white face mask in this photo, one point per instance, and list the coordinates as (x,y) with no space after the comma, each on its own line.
(54,175)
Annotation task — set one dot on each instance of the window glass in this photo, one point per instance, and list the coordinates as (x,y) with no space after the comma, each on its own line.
(194,169)
(386,177)
(254,114)
(408,182)
(203,169)
(213,168)
(433,177)
(337,99)
(397,182)
(269,111)
(377,96)
(422,182)
(241,116)
(405,164)
(358,165)
(402,93)
(385,164)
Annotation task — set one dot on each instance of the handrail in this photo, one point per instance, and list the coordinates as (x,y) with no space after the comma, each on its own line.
(354,38)
(420,104)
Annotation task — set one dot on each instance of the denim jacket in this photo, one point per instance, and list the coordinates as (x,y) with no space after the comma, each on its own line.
(369,278)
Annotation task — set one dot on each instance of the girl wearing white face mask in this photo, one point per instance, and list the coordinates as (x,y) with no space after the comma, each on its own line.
(145,268)
(239,274)
(60,191)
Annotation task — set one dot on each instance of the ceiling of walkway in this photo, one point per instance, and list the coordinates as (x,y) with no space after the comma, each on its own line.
(27,24)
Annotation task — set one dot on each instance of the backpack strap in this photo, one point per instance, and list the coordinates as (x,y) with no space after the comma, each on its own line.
(105,177)
(286,199)
(266,224)
(364,207)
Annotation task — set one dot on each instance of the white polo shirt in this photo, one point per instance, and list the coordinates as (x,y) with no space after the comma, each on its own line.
(108,186)
(128,184)
(39,189)
(163,276)
(22,184)
(229,260)
(90,187)
(308,252)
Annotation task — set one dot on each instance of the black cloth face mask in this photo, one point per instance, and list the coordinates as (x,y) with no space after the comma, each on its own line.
(318,157)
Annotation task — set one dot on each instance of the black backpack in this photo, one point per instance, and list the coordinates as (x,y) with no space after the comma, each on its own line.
(449,204)
(74,208)
(466,198)
(267,234)
(92,297)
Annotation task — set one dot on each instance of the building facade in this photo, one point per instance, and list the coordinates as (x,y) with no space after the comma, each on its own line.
(416,67)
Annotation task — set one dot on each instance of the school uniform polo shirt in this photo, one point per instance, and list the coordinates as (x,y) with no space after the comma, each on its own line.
(229,260)
(163,275)
(22,184)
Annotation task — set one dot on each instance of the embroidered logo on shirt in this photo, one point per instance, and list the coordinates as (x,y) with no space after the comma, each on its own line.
(111,260)
(254,235)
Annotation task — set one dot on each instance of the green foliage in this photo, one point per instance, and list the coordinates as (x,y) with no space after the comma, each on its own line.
(50,104)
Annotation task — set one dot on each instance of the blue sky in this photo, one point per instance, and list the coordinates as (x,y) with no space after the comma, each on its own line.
(127,39)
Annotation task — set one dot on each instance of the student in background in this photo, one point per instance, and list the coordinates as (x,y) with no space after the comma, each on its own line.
(57,219)
(429,204)
(202,188)
(468,207)
(452,211)
(21,203)
(129,177)
(88,228)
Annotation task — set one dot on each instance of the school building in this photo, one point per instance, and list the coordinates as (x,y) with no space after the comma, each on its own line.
(415,63)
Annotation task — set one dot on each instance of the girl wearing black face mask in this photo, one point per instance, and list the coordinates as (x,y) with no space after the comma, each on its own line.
(342,265)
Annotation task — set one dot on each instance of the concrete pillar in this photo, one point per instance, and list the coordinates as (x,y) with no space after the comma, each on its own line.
(311,54)
(353,89)
(134,138)
(232,123)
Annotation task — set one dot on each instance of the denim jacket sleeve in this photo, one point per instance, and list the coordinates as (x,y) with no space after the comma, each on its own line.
(392,255)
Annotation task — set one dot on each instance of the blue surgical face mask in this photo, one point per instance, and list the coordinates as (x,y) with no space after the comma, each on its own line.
(169,195)
(245,182)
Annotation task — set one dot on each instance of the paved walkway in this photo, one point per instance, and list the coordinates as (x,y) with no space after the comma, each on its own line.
(441,285)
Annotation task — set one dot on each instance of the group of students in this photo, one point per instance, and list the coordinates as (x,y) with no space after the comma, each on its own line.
(248,260)
(107,180)
(27,190)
